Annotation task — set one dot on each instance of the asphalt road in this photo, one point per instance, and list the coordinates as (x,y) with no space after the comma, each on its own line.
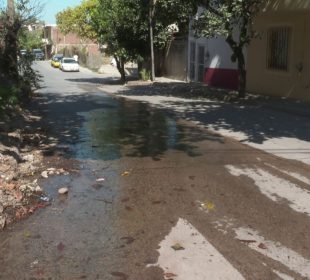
(152,196)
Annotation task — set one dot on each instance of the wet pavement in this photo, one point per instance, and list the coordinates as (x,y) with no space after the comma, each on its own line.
(139,176)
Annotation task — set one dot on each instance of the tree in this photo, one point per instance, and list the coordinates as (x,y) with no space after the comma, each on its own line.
(232,19)
(29,40)
(125,27)
(129,25)
(78,20)
(16,75)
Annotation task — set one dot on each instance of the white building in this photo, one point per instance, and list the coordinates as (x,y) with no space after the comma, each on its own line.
(209,61)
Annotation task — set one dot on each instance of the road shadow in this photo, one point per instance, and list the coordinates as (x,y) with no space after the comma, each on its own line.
(102,81)
(251,118)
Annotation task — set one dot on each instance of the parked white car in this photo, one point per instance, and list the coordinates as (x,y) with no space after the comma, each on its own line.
(69,64)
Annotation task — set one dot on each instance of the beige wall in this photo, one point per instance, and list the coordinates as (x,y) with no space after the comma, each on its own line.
(292,84)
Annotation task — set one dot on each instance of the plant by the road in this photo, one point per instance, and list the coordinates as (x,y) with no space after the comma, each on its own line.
(16,74)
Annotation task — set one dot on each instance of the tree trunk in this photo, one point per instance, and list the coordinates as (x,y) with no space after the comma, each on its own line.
(151,16)
(10,51)
(123,73)
(120,64)
(140,65)
(237,49)
(242,73)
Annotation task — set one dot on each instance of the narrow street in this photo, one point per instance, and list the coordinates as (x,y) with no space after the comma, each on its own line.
(152,196)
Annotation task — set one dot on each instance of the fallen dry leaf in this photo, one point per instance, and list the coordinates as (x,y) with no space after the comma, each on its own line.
(126,173)
(247,241)
(120,275)
(20,213)
(262,246)
(60,246)
(18,195)
(27,234)
(156,202)
(9,187)
(177,247)
(128,208)
(129,239)
(207,206)
(170,275)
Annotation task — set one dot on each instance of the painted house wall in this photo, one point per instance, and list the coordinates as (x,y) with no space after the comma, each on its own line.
(219,70)
(295,82)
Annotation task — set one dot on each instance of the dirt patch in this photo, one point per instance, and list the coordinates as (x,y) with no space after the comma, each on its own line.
(182,90)
(22,143)
(193,90)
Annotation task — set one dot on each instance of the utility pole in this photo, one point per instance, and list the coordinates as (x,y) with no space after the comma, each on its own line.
(45,40)
(151,17)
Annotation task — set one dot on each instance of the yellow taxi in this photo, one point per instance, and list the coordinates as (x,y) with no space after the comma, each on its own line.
(56,60)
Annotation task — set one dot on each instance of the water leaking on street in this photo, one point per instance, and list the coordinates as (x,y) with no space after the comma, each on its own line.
(81,235)
(144,183)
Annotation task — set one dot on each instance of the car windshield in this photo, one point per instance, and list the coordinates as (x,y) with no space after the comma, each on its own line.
(37,51)
(69,61)
(57,57)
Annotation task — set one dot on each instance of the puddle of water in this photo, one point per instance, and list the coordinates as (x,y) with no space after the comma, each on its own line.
(131,129)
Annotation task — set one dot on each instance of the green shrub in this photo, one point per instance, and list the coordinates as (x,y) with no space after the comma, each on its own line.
(8,96)
(145,75)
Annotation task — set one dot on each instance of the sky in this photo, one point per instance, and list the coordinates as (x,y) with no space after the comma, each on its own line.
(52,7)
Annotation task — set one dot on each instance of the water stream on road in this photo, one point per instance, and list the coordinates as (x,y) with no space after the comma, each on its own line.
(80,236)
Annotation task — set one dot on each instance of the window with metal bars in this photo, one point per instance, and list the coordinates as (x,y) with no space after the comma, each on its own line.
(278,48)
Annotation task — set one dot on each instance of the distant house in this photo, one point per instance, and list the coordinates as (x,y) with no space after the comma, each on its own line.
(279,61)
(61,41)
(71,44)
